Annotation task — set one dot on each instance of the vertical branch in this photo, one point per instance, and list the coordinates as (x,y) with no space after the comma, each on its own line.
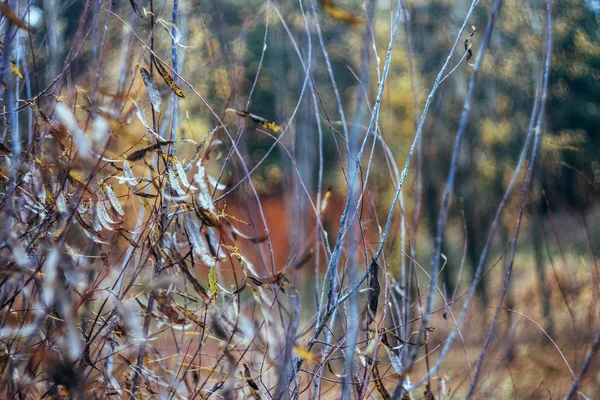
(10,106)
(174,98)
(441,224)
(538,133)
(354,193)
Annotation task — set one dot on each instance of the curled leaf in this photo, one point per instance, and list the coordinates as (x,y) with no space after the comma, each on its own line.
(258,239)
(468,45)
(114,201)
(198,244)
(172,29)
(394,360)
(167,78)
(50,275)
(174,183)
(265,123)
(128,176)
(151,88)
(136,8)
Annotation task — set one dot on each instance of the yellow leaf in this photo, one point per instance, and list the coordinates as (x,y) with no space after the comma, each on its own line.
(212,283)
(305,354)
(340,14)
(15,70)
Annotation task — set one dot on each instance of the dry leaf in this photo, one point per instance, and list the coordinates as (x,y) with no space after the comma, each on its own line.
(11,15)
(167,78)
(212,283)
(15,70)
(373,293)
(151,88)
(340,14)
(248,377)
(259,120)
(136,8)
(468,45)
(139,154)
(379,384)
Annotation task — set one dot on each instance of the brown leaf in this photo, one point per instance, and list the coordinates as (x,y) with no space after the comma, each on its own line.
(379,384)
(209,218)
(248,377)
(139,154)
(164,305)
(136,8)
(304,259)
(192,317)
(373,293)
(265,123)
(340,14)
(11,15)
(167,78)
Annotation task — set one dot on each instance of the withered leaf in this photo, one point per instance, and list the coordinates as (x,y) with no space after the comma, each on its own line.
(384,340)
(164,305)
(151,88)
(11,15)
(146,195)
(469,44)
(277,279)
(15,70)
(248,377)
(192,317)
(373,293)
(379,384)
(304,259)
(167,78)
(139,154)
(136,8)
(206,216)
(265,123)
(212,283)
(340,14)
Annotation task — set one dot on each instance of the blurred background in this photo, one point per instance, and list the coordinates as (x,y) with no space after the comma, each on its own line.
(253,56)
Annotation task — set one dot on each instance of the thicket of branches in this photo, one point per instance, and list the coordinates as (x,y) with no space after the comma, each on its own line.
(216,199)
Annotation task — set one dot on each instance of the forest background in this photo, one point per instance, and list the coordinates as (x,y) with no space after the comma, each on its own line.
(274,199)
